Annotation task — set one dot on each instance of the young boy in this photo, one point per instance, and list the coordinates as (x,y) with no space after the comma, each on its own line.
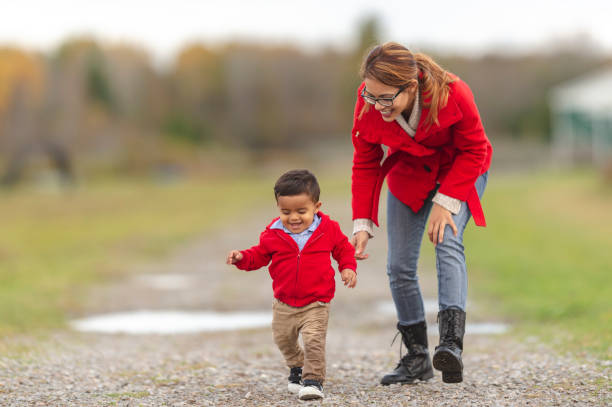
(299,244)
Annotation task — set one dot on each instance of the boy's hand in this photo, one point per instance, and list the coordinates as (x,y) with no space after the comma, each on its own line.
(349,277)
(234,257)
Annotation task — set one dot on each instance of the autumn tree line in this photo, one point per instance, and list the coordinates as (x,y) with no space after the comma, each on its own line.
(88,101)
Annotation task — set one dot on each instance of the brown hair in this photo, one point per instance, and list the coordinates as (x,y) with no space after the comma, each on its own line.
(394,65)
(296,182)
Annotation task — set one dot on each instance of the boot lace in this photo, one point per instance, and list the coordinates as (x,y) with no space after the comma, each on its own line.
(407,356)
(450,333)
(401,343)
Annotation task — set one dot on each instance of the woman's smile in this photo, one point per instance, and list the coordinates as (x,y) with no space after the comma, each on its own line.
(386,112)
(399,102)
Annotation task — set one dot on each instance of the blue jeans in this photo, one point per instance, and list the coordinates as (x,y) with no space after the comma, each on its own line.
(405,230)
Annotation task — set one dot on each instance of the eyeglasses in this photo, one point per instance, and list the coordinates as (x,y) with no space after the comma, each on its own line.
(386,102)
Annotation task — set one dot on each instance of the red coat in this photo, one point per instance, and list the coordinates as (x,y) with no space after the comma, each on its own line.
(301,278)
(453,152)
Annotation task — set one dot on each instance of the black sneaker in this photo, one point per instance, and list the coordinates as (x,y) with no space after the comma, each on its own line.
(311,390)
(295,380)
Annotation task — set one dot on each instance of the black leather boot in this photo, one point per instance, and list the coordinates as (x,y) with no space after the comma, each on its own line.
(416,364)
(447,357)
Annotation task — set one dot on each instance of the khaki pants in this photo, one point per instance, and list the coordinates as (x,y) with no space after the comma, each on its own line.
(311,321)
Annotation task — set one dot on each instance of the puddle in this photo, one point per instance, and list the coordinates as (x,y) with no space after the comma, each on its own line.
(178,322)
(483,328)
(171,322)
(168,282)
(431,307)
(388,307)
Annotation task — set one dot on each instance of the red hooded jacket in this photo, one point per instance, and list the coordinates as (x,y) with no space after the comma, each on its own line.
(302,277)
(453,152)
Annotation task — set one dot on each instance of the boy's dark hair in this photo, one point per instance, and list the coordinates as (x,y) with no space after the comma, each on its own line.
(296,182)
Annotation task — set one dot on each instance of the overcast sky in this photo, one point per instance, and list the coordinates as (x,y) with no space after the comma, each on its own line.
(163,26)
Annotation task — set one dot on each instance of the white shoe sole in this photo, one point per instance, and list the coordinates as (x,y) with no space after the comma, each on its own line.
(310,393)
(294,388)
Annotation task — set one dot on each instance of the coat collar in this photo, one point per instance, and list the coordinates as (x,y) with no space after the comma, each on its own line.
(373,122)
(376,130)
(324,219)
(447,116)
(313,226)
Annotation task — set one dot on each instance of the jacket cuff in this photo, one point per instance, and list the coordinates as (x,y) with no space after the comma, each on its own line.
(453,205)
(363,224)
(242,263)
(349,267)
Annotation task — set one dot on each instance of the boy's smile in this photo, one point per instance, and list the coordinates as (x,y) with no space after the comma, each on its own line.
(297,211)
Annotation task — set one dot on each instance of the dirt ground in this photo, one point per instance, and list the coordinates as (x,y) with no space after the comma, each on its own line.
(244,368)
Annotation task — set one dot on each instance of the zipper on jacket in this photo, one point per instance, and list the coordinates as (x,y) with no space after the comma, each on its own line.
(297,270)
(294,245)
(297,273)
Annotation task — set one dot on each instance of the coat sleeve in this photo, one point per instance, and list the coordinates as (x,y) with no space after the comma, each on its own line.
(256,257)
(343,251)
(471,143)
(365,171)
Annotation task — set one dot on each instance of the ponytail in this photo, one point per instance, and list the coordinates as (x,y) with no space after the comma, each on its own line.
(433,84)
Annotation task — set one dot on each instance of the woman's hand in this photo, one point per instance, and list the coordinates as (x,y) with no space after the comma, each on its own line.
(438,219)
(359,242)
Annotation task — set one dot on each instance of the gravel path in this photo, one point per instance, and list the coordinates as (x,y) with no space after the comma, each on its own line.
(244,368)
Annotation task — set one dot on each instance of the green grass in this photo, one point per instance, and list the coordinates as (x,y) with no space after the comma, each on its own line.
(54,244)
(545,259)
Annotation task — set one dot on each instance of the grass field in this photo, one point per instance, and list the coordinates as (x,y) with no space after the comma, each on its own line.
(544,261)
(55,243)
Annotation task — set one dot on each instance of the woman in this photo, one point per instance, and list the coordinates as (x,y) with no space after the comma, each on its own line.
(436,166)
